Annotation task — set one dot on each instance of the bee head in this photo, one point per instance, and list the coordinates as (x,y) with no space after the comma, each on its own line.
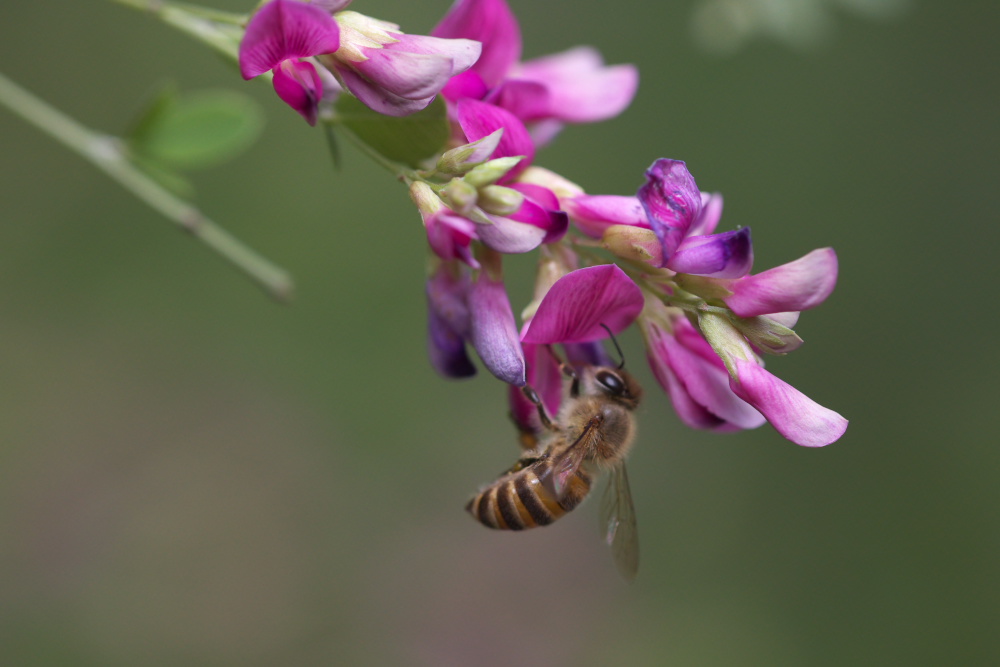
(613,383)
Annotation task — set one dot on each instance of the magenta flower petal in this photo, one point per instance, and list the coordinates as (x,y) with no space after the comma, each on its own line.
(799,285)
(412,76)
(707,384)
(448,325)
(595,213)
(528,100)
(689,410)
(792,413)
(479,119)
(463,53)
(298,84)
(379,99)
(725,255)
(446,349)
(578,304)
(541,208)
(467,84)
(671,200)
(581,89)
(450,236)
(282,30)
(711,213)
(493,24)
(493,331)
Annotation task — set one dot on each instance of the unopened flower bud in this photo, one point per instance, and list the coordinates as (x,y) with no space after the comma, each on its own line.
(767,334)
(490,172)
(424,197)
(498,200)
(725,339)
(563,188)
(462,159)
(359,32)
(459,196)
(635,243)
(706,288)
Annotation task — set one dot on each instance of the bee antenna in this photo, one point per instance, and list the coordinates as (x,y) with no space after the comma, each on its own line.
(618,348)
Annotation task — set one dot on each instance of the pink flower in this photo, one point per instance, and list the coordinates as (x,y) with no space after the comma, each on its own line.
(391,72)
(533,220)
(277,37)
(683,219)
(580,304)
(691,373)
(569,87)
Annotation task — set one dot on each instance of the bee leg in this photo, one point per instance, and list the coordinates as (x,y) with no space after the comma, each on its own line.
(543,416)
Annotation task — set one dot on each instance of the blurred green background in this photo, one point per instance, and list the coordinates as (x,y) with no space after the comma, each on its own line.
(191,474)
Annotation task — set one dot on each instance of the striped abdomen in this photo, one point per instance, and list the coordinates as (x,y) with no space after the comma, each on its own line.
(524,499)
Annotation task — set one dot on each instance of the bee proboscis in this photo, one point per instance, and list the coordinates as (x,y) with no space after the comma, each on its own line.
(593,432)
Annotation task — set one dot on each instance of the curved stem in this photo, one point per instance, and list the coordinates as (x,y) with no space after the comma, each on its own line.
(220,30)
(105,152)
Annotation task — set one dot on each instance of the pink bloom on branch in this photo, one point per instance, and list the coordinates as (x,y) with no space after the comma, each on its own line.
(478,120)
(796,286)
(569,87)
(278,35)
(792,413)
(392,72)
(692,374)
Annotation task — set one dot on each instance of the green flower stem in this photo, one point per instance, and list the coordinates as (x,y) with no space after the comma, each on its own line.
(105,153)
(401,173)
(220,30)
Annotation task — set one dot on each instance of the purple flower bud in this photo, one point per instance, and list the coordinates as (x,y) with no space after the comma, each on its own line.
(493,331)
(448,323)
(672,202)
(725,255)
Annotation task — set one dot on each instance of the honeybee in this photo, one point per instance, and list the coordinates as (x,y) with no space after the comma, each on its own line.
(593,432)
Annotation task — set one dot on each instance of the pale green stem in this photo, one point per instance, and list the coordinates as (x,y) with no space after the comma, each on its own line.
(105,153)
(395,169)
(220,30)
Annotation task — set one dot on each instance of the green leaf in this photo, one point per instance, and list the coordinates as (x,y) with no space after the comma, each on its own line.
(407,140)
(196,129)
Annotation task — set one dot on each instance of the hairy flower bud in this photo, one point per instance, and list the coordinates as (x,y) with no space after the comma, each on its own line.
(725,339)
(635,243)
(490,172)
(767,334)
(498,200)
(462,159)
(459,196)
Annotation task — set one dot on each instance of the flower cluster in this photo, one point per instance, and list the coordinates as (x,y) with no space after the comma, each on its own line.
(654,259)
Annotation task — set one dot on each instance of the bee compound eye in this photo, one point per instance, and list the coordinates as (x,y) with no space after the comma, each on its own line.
(611,382)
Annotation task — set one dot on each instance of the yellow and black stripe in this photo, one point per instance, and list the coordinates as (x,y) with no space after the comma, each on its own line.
(521,500)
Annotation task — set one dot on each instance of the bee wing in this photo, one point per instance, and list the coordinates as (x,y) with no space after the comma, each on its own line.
(569,461)
(618,522)
(566,462)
